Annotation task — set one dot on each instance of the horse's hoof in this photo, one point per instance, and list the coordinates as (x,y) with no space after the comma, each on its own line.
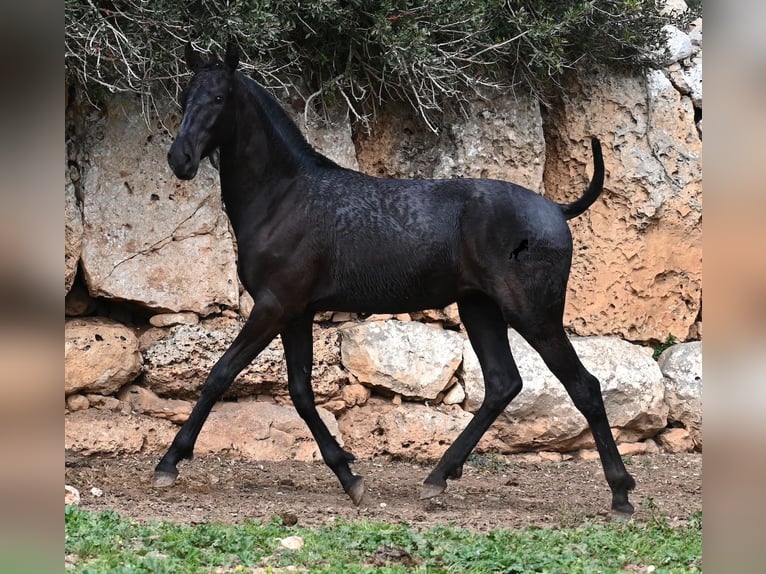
(618,516)
(163,479)
(356,492)
(623,508)
(622,511)
(430,490)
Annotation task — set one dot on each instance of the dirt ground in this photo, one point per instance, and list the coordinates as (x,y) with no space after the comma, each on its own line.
(494,492)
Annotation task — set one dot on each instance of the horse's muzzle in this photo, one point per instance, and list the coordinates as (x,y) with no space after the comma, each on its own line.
(182,159)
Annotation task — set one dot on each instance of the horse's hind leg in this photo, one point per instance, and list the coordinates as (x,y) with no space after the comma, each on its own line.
(261,327)
(487,331)
(297,339)
(584,389)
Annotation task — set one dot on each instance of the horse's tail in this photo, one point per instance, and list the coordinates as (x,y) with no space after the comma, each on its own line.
(596,186)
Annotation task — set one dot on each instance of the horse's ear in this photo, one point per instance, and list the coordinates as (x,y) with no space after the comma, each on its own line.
(193,58)
(232,56)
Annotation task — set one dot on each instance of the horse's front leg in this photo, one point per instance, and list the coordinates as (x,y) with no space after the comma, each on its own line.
(262,326)
(297,338)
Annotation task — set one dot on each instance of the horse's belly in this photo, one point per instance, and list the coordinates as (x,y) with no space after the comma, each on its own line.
(397,289)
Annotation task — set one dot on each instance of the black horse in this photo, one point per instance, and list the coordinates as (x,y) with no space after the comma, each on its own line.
(313,236)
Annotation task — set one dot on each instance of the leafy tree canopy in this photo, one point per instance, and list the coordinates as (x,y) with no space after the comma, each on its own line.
(431,53)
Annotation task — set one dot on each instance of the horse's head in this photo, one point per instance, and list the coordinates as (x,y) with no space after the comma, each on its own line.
(207,114)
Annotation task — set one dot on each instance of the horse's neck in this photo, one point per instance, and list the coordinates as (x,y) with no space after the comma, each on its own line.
(255,163)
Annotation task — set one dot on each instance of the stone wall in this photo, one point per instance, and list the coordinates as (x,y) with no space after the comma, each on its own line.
(153,298)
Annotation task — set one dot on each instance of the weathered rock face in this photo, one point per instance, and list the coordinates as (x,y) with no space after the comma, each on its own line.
(262,431)
(144,401)
(638,250)
(674,440)
(179,360)
(682,366)
(72,232)
(498,138)
(100,356)
(332,137)
(408,430)
(543,415)
(148,236)
(251,430)
(409,359)
(397,146)
(95,431)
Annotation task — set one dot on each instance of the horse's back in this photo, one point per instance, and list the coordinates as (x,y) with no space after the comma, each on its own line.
(395,245)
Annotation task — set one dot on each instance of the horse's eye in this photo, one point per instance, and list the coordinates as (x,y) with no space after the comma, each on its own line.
(218,99)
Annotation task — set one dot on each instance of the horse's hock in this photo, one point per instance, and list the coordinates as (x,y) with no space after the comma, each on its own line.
(137,234)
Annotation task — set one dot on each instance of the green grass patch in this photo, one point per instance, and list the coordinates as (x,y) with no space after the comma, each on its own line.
(107,542)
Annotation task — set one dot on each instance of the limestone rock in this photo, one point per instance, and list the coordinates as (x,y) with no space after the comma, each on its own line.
(682,366)
(77,302)
(148,236)
(692,76)
(410,359)
(72,232)
(250,430)
(695,33)
(408,430)
(144,401)
(77,402)
(291,542)
(71,495)
(355,394)
(637,265)
(179,360)
(246,304)
(673,6)
(634,448)
(679,44)
(543,416)
(95,431)
(675,440)
(256,430)
(500,137)
(687,79)
(170,319)
(447,317)
(100,356)
(455,395)
(398,145)
(331,135)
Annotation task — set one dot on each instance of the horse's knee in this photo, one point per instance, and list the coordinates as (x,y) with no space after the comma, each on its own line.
(217,382)
(585,392)
(500,390)
(303,399)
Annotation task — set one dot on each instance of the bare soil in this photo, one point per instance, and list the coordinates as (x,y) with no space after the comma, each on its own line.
(494,492)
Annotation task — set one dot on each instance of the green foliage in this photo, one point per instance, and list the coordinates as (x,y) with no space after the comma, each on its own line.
(429,53)
(659,347)
(106,542)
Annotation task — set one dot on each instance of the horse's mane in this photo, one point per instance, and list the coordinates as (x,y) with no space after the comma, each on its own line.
(282,125)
